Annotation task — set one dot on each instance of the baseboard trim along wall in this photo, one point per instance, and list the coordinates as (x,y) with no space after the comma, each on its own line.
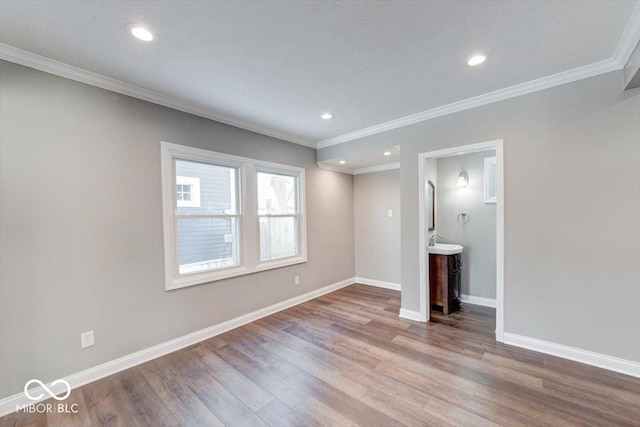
(9,404)
(410,314)
(470,299)
(599,360)
(378,283)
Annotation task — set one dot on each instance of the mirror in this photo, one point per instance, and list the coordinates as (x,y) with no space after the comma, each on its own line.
(490,180)
(431,207)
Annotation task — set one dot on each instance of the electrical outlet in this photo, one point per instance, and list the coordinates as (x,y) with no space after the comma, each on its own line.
(296,280)
(390,213)
(86,339)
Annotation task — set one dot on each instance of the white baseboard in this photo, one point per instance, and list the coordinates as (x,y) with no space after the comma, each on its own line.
(8,404)
(410,315)
(599,360)
(470,299)
(378,283)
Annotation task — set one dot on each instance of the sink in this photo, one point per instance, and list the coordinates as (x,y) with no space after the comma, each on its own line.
(445,249)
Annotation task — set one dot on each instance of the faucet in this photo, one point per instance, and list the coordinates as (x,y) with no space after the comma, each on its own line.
(434,239)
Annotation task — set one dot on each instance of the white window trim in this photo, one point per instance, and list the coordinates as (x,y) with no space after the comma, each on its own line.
(194,182)
(249,239)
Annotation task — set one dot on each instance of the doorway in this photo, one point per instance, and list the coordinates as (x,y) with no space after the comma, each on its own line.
(426,215)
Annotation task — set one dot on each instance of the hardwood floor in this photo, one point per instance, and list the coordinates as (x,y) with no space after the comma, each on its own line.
(346,359)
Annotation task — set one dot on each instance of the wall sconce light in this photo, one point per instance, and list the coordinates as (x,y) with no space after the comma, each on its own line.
(463,179)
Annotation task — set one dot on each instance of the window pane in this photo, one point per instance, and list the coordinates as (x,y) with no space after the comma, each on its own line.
(207,244)
(276,194)
(206,189)
(278,237)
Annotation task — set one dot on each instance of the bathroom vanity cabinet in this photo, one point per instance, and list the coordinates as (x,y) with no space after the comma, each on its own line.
(445,281)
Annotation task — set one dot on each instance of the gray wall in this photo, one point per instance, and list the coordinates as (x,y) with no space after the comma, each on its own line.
(377,237)
(478,236)
(81,227)
(572,235)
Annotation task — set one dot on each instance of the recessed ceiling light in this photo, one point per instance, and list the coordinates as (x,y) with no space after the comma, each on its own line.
(342,162)
(327,116)
(476,59)
(141,32)
(387,153)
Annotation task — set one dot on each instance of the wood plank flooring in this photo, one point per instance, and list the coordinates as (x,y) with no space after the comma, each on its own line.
(346,359)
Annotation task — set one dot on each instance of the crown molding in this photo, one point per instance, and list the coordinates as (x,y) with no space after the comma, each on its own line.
(626,45)
(335,168)
(344,169)
(51,66)
(558,79)
(630,37)
(377,168)
(629,40)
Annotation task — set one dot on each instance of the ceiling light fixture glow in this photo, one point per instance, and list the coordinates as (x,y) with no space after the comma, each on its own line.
(476,59)
(342,162)
(327,116)
(387,153)
(141,32)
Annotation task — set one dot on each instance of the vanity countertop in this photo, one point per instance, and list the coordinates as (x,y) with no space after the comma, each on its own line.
(445,249)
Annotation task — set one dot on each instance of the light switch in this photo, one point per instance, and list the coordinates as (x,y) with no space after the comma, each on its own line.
(390,213)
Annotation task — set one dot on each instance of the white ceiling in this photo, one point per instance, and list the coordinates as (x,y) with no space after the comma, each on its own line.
(275,66)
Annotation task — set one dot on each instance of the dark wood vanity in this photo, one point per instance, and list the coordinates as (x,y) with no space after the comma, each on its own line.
(445,273)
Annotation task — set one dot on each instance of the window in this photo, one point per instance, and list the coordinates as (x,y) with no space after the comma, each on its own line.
(278,213)
(207,233)
(187,191)
(226,216)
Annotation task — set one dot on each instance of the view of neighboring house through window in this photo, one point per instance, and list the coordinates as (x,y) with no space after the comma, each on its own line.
(278,213)
(184,192)
(187,191)
(206,212)
(225,216)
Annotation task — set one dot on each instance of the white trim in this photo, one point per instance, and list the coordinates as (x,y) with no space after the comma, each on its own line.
(247,217)
(377,168)
(8,404)
(470,299)
(423,265)
(51,66)
(335,168)
(378,283)
(626,44)
(547,82)
(630,38)
(623,366)
(410,315)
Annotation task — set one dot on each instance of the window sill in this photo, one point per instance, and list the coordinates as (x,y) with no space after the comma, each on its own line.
(227,273)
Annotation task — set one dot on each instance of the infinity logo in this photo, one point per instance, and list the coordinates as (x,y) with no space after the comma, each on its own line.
(47,389)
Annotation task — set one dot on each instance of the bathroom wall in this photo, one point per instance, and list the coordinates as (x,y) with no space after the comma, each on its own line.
(478,236)
(377,236)
(432,175)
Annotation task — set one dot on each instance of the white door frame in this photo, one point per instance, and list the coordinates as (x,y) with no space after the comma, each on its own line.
(424,265)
